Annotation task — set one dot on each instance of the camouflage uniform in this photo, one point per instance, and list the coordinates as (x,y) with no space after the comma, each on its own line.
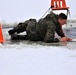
(43,30)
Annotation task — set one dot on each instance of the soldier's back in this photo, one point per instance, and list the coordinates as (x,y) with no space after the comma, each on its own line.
(41,28)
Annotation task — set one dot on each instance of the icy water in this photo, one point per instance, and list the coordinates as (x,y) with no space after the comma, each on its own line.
(38,58)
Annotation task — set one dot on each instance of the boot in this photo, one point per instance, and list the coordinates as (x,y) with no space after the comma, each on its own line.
(15,37)
(12,31)
(23,37)
(18,37)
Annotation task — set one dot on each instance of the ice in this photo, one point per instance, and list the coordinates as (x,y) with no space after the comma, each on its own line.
(39,60)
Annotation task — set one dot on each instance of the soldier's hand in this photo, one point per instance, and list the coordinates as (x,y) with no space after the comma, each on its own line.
(63,39)
(69,39)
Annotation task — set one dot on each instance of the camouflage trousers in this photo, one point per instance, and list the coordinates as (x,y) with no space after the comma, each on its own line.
(30,28)
(21,27)
(32,32)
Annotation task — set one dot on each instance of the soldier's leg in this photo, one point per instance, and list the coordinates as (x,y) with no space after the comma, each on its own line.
(21,27)
(16,29)
(19,37)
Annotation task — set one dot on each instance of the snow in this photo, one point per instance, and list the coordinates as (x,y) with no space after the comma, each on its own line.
(37,60)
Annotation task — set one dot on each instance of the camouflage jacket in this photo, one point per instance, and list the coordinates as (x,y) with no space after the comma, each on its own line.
(47,27)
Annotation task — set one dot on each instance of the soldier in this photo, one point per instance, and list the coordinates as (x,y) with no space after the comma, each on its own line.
(43,30)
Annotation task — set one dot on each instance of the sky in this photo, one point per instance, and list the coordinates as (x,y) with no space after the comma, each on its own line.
(20,10)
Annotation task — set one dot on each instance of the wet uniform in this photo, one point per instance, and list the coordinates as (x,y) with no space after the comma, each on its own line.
(43,30)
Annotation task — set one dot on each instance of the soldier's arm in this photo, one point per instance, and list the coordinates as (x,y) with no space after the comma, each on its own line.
(63,37)
(50,34)
(60,33)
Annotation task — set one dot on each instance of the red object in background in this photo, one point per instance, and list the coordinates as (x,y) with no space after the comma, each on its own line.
(2,40)
(58,5)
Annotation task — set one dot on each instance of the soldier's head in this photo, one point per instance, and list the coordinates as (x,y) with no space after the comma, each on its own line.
(62,19)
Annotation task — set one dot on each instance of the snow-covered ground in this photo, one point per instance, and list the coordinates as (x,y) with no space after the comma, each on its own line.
(37,58)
